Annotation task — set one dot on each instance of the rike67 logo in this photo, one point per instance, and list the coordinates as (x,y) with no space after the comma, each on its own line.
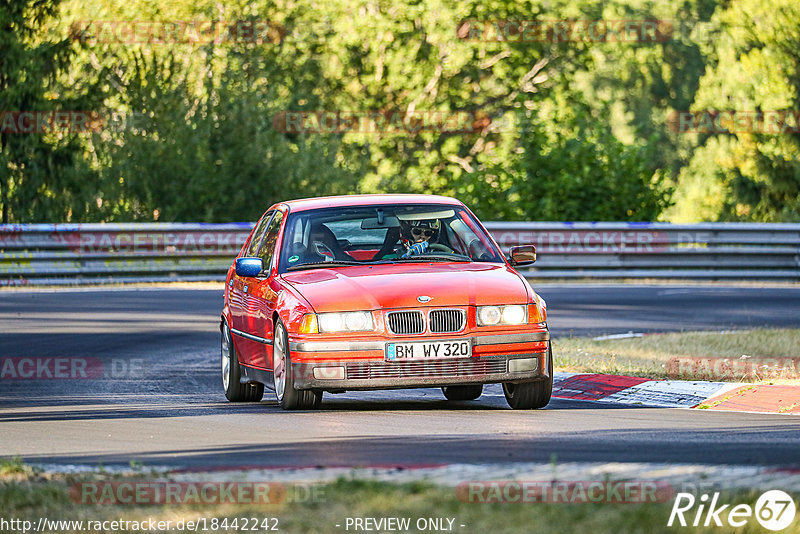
(774,510)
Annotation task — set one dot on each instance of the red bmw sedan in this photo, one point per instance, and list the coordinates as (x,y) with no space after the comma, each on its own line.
(381,292)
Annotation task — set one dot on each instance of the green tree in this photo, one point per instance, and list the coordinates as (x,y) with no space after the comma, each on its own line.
(748,175)
(42,176)
(579,130)
(573,168)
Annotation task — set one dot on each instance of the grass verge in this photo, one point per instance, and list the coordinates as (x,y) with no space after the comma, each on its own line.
(761,355)
(38,496)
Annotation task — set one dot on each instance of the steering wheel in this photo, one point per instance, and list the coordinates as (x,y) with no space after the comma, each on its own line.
(438,247)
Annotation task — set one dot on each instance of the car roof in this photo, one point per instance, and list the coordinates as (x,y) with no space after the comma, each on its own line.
(366,200)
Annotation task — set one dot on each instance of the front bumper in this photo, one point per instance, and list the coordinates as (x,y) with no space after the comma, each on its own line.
(360,365)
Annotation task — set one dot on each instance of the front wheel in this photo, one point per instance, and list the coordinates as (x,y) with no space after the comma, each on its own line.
(462,393)
(235,391)
(531,395)
(288,397)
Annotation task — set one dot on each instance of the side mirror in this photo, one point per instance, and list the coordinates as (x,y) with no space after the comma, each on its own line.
(249,267)
(523,255)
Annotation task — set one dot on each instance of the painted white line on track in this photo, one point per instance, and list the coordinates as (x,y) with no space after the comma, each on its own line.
(618,336)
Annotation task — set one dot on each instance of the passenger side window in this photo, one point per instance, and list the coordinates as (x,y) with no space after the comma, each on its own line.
(267,248)
(258,234)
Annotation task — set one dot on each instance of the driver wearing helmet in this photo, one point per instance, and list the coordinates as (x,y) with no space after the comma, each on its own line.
(417,236)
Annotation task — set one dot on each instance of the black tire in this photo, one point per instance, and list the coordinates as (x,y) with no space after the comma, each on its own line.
(462,393)
(235,391)
(288,397)
(531,395)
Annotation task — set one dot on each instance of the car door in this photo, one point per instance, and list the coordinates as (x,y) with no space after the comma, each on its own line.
(264,295)
(239,289)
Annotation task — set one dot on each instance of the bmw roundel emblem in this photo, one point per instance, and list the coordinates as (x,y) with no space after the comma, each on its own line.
(424,298)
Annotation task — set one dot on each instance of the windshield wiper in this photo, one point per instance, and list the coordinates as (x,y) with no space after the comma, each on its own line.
(435,257)
(322,264)
(411,259)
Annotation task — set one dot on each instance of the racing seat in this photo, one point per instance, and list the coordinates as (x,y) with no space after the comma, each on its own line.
(324,236)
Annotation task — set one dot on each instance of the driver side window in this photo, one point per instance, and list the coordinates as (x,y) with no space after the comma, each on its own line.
(267,249)
(258,233)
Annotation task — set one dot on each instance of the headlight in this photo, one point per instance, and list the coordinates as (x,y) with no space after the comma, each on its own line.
(345,322)
(488,315)
(514,315)
(494,315)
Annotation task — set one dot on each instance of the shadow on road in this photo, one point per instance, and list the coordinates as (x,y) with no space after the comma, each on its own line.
(654,444)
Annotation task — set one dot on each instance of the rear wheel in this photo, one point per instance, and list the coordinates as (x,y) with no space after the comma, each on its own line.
(462,393)
(288,397)
(235,391)
(531,395)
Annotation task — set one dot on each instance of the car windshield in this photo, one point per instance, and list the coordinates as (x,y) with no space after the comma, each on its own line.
(383,234)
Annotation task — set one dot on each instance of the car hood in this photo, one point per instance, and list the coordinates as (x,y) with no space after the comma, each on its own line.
(399,285)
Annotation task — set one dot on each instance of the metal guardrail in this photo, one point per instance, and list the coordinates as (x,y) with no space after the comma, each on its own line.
(710,251)
(62,254)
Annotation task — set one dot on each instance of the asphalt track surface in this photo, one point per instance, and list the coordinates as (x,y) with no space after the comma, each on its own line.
(170,411)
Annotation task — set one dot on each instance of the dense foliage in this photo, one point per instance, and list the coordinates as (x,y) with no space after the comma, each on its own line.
(576,129)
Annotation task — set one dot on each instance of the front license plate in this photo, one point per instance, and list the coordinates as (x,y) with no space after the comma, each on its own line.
(397,352)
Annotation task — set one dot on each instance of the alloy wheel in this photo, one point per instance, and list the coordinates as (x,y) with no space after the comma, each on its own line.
(226,360)
(279,362)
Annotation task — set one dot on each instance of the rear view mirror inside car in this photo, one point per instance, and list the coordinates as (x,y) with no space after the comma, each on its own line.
(372,223)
